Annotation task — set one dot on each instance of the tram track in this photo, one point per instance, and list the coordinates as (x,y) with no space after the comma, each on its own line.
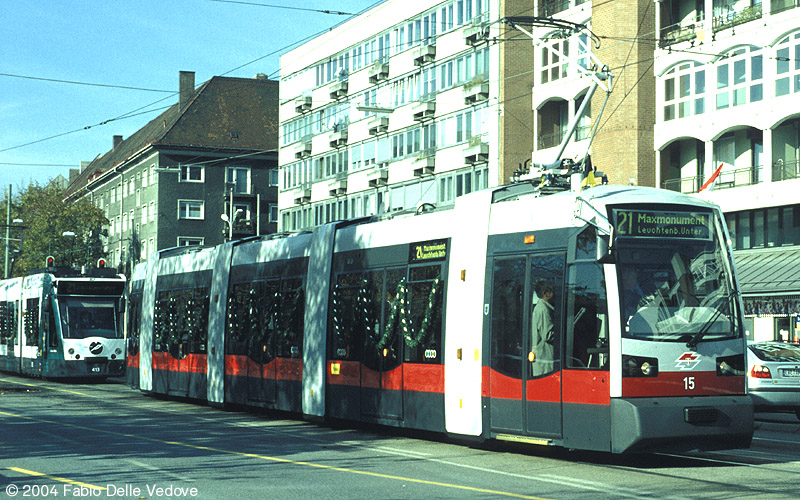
(548,468)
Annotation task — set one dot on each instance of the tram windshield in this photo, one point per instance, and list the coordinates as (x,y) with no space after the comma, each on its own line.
(89,317)
(674,277)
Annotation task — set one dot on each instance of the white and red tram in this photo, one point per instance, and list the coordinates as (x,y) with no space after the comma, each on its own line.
(433,321)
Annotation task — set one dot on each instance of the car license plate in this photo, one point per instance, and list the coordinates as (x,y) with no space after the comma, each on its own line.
(791,372)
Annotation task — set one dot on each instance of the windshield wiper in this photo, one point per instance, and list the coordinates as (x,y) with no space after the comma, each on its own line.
(700,334)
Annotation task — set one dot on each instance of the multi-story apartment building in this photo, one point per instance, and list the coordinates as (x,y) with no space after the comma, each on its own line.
(727,84)
(203,171)
(389,110)
(421,101)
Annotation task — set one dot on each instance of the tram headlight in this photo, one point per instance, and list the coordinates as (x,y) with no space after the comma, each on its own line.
(117,351)
(639,366)
(71,351)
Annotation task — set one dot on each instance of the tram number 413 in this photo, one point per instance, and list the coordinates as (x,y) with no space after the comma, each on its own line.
(688,383)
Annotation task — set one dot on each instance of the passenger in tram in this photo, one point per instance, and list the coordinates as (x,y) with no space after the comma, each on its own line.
(542,330)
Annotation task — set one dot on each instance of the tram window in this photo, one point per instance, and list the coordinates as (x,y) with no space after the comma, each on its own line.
(507,315)
(292,310)
(266,297)
(5,320)
(377,341)
(134,324)
(198,316)
(344,323)
(547,278)
(52,335)
(161,322)
(587,326)
(89,317)
(32,322)
(235,333)
(423,339)
(392,339)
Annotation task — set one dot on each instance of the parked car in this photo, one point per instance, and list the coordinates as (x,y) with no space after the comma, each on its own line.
(773,376)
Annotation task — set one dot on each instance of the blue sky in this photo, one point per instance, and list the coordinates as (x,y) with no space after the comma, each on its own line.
(141,44)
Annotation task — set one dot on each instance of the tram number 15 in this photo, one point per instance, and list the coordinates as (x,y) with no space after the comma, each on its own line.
(688,383)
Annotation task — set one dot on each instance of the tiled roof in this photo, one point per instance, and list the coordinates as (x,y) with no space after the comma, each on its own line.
(224,113)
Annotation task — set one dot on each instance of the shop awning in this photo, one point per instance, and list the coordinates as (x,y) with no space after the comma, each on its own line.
(766,272)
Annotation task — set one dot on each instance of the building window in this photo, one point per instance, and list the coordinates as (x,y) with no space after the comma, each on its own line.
(240,178)
(144,213)
(152,211)
(273,212)
(192,173)
(554,61)
(273,177)
(739,78)
(684,91)
(788,65)
(185,241)
(190,209)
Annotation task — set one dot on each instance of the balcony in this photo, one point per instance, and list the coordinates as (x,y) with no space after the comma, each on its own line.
(783,170)
(679,33)
(551,140)
(378,72)
(733,18)
(732,178)
(424,54)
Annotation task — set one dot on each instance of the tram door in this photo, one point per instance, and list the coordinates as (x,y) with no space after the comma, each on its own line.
(382,367)
(261,370)
(526,326)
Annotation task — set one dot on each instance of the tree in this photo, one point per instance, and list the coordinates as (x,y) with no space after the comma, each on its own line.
(46,217)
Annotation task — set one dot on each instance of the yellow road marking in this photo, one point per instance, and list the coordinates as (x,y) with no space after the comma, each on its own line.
(44,387)
(55,478)
(286,460)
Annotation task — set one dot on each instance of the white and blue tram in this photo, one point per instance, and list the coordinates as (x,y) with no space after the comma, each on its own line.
(605,320)
(60,323)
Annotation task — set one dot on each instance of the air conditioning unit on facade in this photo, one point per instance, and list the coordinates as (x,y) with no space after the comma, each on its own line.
(339,89)
(338,139)
(424,54)
(302,104)
(378,72)
(475,93)
(476,154)
(302,150)
(424,110)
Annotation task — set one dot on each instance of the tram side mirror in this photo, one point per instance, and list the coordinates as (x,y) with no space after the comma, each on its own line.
(604,255)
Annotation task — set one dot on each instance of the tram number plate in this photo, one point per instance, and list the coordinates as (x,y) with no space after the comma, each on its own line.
(95,369)
(791,372)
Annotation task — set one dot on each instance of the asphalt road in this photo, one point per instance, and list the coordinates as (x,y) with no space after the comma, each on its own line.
(62,440)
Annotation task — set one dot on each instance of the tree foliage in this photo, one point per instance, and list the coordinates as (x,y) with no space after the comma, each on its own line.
(46,217)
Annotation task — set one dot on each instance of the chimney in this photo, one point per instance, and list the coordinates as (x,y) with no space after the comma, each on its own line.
(117,141)
(186,87)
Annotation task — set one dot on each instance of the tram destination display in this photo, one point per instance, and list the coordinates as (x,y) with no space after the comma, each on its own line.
(637,223)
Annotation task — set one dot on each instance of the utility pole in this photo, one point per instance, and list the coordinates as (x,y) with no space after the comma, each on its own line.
(8,227)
